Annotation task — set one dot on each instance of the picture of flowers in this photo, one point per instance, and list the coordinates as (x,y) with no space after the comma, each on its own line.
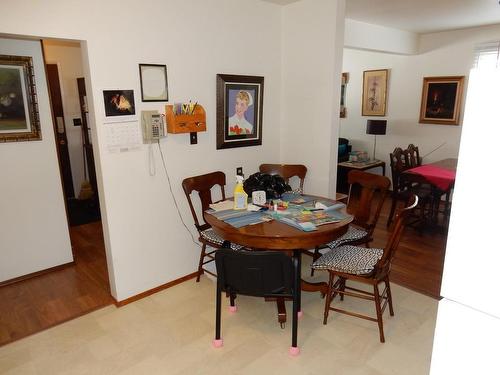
(374,92)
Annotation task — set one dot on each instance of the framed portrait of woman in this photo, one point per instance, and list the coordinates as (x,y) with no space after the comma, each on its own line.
(239,110)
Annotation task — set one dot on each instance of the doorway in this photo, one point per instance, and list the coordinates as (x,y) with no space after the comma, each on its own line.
(50,297)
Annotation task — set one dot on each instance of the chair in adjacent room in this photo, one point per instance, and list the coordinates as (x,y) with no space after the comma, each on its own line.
(368,266)
(366,209)
(260,274)
(402,189)
(413,155)
(287,171)
(207,236)
(414,160)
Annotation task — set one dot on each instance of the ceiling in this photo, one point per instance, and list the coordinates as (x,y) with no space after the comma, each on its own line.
(421,16)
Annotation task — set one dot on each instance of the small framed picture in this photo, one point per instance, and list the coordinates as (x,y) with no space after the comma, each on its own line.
(119,105)
(239,110)
(154,86)
(19,117)
(343,88)
(441,100)
(374,92)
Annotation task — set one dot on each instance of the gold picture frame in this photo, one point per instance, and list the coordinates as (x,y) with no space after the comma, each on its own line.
(19,117)
(374,92)
(441,100)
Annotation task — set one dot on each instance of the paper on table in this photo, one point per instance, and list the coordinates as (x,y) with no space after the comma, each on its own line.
(222,205)
(322,206)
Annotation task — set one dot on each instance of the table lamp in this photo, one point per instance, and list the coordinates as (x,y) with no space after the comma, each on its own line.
(376,127)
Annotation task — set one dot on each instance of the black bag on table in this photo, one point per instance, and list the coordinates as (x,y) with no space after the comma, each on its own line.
(273,185)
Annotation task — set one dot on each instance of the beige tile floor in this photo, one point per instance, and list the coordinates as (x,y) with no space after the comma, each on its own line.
(171,333)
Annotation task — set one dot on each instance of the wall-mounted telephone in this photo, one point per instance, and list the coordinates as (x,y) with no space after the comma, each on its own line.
(153,126)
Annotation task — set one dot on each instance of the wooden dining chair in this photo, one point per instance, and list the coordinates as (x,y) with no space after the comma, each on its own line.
(286,171)
(366,209)
(203,185)
(369,266)
(413,156)
(414,160)
(260,274)
(402,189)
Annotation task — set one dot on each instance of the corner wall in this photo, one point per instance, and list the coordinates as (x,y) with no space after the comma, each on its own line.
(33,228)
(312,39)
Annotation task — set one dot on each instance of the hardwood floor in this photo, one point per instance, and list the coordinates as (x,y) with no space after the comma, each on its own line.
(32,305)
(418,263)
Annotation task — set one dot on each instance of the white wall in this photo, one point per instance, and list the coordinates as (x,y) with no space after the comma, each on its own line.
(146,243)
(445,53)
(403,102)
(33,228)
(366,36)
(68,57)
(311,72)
(468,325)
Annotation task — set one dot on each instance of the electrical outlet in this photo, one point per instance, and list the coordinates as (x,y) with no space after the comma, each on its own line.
(239,171)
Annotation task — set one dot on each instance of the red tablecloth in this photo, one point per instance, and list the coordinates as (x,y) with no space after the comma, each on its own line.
(440,177)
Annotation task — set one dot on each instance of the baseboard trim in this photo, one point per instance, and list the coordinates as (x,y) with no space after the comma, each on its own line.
(154,290)
(37,273)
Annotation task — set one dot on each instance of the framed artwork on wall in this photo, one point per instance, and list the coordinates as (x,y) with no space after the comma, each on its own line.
(154,86)
(441,100)
(374,92)
(119,105)
(239,110)
(343,88)
(19,116)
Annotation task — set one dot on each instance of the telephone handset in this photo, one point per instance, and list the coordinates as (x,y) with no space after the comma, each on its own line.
(153,126)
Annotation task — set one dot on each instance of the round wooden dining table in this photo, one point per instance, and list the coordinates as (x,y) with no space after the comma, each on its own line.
(274,235)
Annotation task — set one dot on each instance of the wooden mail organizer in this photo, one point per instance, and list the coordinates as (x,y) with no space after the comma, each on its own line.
(186,123)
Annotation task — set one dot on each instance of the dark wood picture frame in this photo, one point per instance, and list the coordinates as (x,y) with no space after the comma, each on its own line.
(239,110)
(374,101)
(19,116)
(156,74)
(441,100)
(343,88)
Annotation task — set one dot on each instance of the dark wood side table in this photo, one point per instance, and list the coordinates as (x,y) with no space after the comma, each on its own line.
(346,166)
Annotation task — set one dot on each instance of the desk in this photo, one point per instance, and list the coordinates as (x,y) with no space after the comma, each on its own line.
(346,166)
(274,235)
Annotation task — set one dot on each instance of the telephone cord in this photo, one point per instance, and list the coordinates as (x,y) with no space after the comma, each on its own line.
(152,166)
(173,196)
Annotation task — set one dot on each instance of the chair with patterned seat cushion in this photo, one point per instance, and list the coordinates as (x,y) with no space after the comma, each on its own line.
(207,236)
(365,265)
(366,209)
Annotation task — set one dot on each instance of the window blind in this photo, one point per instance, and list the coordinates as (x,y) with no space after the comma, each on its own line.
(486,56)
